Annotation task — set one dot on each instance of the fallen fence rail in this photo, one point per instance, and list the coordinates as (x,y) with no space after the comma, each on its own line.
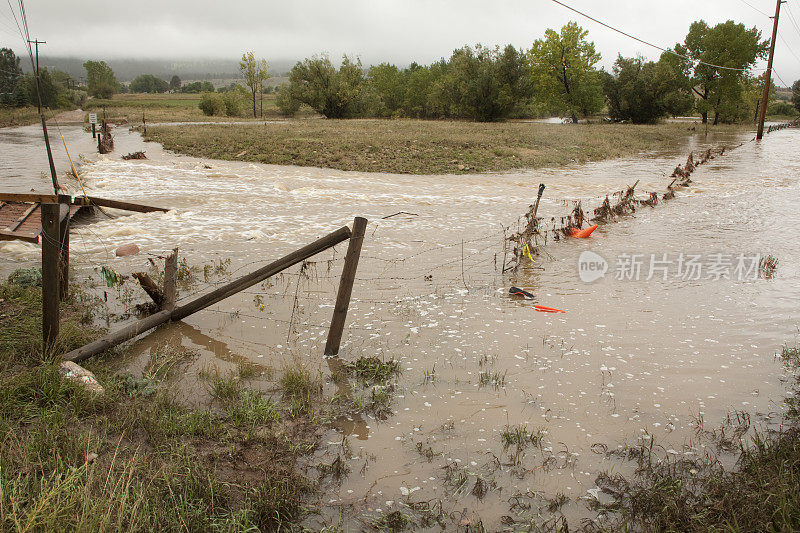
(356,237)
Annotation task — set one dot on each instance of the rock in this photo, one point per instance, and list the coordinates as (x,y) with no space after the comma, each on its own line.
(77,374)
(127,249)
(461,167)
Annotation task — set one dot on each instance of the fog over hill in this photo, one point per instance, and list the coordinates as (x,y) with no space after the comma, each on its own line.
(187,69)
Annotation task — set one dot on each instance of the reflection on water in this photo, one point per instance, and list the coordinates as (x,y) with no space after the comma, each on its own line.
(628,359)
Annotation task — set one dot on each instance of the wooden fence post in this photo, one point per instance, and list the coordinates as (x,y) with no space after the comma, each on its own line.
(50,274)
(346,286)
(170,280)
(63,239)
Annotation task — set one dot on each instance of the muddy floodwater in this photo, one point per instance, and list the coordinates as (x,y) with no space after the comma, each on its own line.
(630,360)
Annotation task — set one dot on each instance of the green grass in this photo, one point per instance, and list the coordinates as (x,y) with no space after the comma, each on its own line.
(134,458)
(420,147)
(21,319)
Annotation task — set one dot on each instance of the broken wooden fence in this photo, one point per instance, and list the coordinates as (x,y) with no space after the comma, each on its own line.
(166,314)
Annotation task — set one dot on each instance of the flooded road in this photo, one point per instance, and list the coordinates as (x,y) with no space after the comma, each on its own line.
(631,359)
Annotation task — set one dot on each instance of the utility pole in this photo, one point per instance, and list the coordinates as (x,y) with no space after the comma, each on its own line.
(53,174)
(768,75)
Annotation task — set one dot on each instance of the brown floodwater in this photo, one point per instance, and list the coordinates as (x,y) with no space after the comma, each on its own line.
(630,360)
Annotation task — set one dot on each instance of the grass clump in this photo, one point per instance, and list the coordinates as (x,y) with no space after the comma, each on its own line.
(371,370)
(492,379)
(21,323)
(391,521)
(299,389)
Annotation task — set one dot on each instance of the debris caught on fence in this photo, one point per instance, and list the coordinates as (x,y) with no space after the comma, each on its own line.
(105,141)
(527,242)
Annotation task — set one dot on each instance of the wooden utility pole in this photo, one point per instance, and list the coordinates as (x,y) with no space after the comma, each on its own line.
(53,174)
(51,277)
(768,75)
(345,286)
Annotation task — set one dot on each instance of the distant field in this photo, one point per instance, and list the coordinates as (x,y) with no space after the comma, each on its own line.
(416,146)
(169,108)
(18,116)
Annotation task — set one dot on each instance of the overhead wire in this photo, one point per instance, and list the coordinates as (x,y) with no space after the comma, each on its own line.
(793,20)
(666,50)
(745,2)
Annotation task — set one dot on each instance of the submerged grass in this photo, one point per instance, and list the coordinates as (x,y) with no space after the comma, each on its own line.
(698,494)
(420,147)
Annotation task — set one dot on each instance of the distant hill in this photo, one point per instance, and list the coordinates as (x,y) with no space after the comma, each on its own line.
(186,69)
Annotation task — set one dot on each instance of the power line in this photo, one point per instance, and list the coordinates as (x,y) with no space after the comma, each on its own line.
(792,19)
(667,50)
(789,47)
(755,8)
(779,77)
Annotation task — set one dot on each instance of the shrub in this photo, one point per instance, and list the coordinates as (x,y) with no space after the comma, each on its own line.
(212,104)
(287,105)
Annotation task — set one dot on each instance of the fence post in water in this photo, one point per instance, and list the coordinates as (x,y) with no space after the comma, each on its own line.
(170,280)
(346,286)
(50,275)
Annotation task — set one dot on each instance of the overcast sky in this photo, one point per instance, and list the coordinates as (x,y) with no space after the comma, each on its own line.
(398,31)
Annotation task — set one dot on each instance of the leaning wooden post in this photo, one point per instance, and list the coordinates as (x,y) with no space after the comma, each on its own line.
(63,265)
(346,286)
(50,275)
(170,280)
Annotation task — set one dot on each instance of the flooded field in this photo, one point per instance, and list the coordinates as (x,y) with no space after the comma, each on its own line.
(631,360)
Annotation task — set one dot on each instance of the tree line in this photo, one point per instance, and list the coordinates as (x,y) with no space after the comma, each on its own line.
(710,73)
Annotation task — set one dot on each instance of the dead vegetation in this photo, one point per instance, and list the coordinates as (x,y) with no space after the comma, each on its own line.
(528,243)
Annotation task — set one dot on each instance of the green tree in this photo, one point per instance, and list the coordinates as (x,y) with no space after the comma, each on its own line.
(175,83)
(483,84)
(287,105)
(100,79)
(25,91)
(389,83)
(10,73)
(796,95)
(564,73)
(147,83)
(331,93)
(721,90)
(644,91)
(255,73)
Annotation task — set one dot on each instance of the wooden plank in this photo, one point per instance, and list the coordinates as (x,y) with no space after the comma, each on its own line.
(118,204)
(50,275)
(21,219)
(34,197)
(345,286)
(18,236)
